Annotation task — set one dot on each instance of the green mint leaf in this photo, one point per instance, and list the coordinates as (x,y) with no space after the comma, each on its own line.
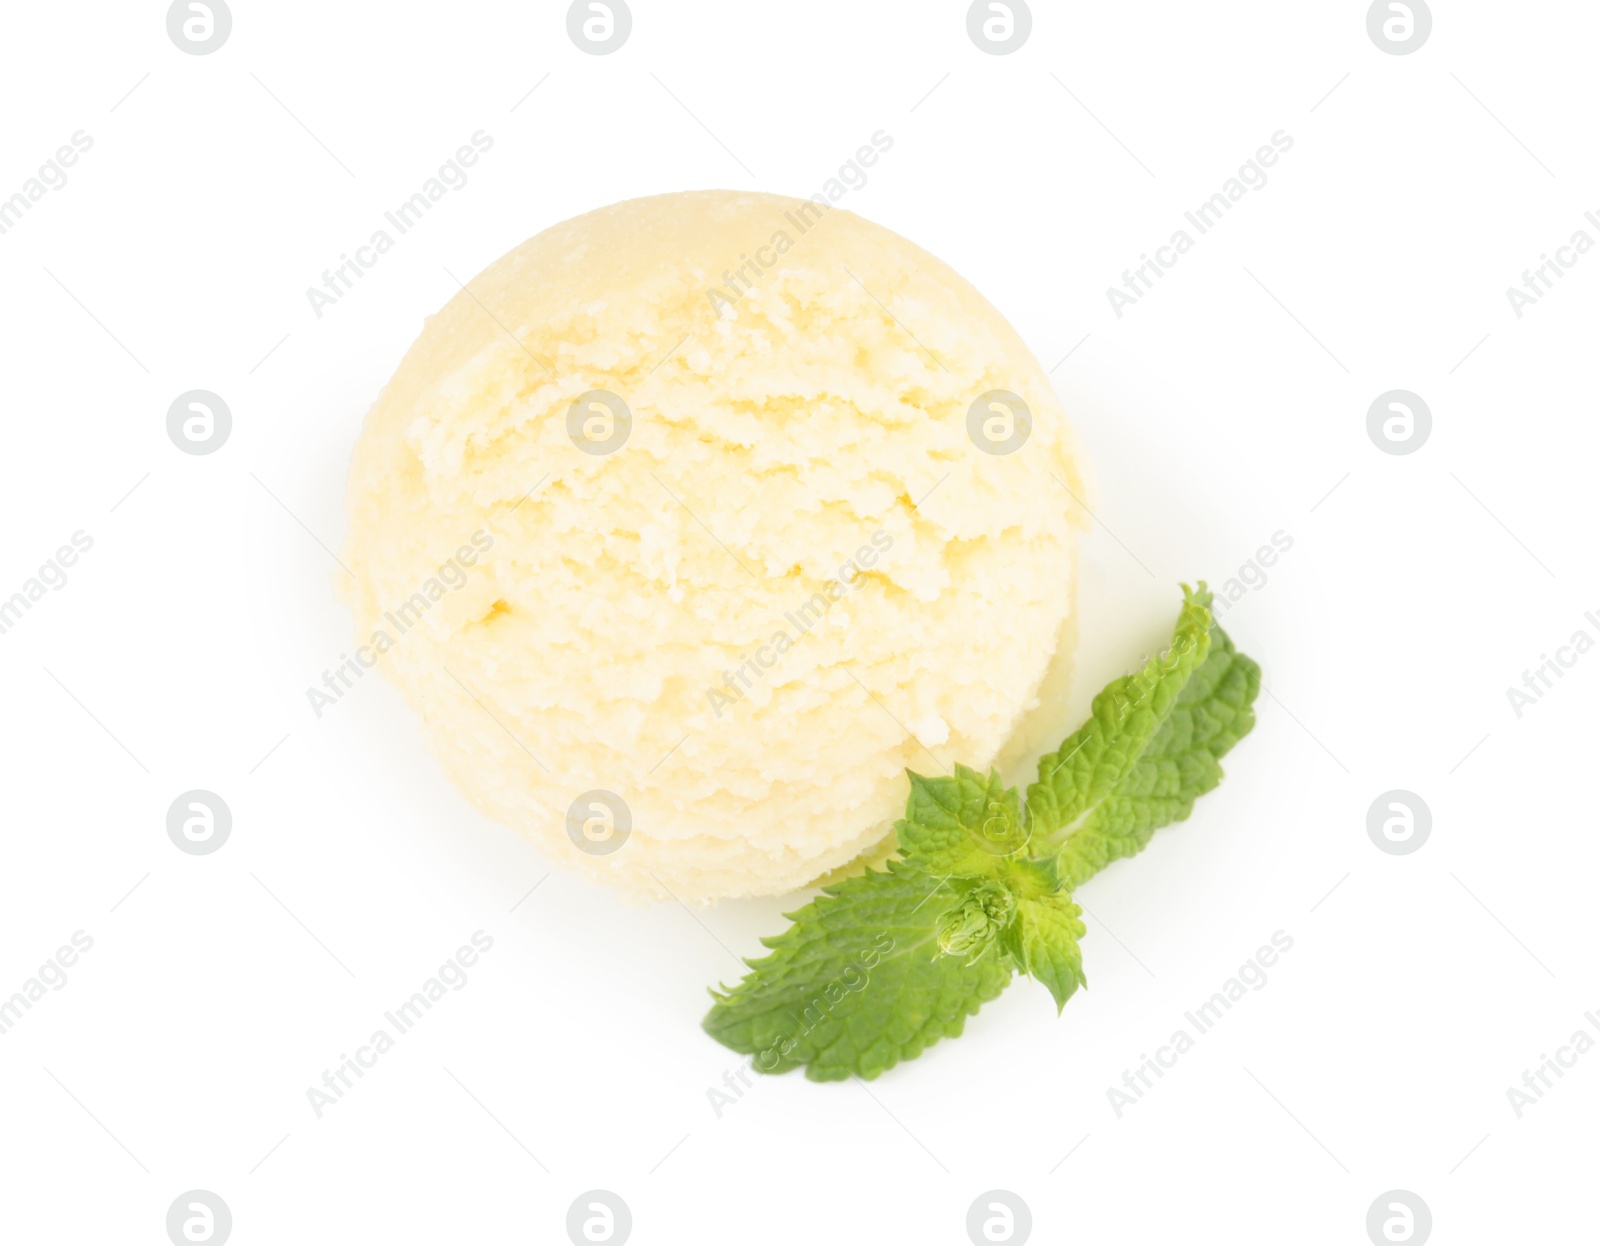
(1124,718)
(1029,878)
(857,983)
(1212,712)
(1043,942)
(881,965)
(963,825)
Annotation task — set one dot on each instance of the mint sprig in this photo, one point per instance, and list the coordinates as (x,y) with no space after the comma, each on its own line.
(879,966)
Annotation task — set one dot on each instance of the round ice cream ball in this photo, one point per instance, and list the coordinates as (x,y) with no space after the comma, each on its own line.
(692,523)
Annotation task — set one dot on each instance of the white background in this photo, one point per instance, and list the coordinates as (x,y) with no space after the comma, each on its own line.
(1222,408)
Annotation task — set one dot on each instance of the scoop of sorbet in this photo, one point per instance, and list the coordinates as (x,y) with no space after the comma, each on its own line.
(692,523)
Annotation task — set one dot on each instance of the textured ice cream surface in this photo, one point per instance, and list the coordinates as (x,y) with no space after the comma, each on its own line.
(795,578)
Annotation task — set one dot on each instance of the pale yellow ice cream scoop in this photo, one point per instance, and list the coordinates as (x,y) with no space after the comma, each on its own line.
(692,523)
